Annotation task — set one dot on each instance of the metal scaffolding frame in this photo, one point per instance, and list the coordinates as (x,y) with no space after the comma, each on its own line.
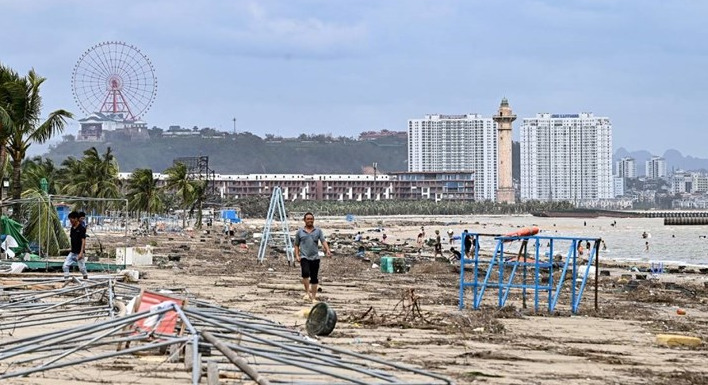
(215,338)
(198,169)
(525,269)
(276,204)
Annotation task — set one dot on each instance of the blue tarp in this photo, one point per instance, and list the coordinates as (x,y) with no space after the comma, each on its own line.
(230,215)
(63,214)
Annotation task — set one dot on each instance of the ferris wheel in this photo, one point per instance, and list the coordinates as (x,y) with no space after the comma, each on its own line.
(116,78)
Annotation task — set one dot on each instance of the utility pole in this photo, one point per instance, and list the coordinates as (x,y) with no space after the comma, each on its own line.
(234,126)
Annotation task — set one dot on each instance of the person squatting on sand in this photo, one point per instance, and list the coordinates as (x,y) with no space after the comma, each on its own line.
(455,255)
(307,253)
(77,234)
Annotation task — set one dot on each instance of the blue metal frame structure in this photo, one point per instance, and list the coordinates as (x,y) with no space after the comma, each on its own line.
(501,271)
(276,203)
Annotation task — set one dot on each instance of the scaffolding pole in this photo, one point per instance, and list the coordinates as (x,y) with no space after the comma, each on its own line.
(276,204)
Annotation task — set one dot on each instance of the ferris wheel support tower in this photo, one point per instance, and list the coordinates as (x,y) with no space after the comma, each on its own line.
(115,102)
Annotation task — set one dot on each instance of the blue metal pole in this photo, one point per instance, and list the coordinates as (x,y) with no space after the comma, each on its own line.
(576,303)
(501,272)
(571,253)
(574,276)
(478,299)
(537,272)
(463,261)
(549,284)
(476,266)
(508,285)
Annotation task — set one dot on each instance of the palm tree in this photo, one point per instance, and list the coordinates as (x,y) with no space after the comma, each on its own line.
(179,182)
(43,225)
(36,169)
(22,106)
(93,176)
(143,194)
(70,167)
(7,76)
(199,196)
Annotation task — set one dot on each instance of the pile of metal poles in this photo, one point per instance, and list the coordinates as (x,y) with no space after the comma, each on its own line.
(91,323)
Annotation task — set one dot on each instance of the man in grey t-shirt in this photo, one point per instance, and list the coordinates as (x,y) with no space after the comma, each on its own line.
(307,253)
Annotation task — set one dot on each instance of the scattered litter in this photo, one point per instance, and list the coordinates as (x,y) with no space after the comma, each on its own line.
(14,268)
(130,276)
(321,320)
(672,340)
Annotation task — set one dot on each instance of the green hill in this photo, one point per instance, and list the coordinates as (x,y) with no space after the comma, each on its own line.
(245,153)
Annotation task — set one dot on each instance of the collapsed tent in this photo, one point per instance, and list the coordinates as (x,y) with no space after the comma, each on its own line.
(10,229)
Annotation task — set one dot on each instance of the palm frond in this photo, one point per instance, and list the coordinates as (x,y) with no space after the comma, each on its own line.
(43,225)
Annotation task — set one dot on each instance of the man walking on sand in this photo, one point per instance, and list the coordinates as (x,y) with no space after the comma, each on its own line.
(307,253)
(77,234)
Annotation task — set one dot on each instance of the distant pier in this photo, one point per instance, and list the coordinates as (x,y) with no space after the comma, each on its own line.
(677,218)
(671,217)
(680,218)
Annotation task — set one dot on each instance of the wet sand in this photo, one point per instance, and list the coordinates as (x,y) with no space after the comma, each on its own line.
(413,318)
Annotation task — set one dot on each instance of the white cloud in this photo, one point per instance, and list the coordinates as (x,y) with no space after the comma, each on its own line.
(305,33)
(379,62)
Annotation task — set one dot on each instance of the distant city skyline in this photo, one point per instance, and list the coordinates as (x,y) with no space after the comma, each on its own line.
(327,66)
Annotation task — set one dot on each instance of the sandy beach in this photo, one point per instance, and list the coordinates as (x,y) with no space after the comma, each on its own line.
(413,318)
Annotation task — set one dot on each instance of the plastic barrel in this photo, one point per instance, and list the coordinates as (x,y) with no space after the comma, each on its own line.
(386,264)
(321,320)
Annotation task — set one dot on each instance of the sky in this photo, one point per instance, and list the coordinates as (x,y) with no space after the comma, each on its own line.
(340,67)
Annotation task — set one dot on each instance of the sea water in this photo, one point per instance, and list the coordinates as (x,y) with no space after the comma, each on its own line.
(623,236)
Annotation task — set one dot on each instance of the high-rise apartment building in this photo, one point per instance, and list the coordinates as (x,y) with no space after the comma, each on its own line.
(626,168)
(456,143)
(656,167)
(681,182)
(566,157)
(699,183)
(618,186)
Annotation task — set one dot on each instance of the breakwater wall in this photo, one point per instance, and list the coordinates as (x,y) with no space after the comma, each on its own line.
(679,218)
(673,214)
(685,221)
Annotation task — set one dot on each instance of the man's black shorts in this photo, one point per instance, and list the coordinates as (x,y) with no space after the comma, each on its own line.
(310,269)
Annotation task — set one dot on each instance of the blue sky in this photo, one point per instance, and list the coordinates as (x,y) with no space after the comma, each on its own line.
(286,67)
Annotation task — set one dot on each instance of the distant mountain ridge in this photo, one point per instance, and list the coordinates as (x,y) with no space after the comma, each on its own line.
(674,160)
